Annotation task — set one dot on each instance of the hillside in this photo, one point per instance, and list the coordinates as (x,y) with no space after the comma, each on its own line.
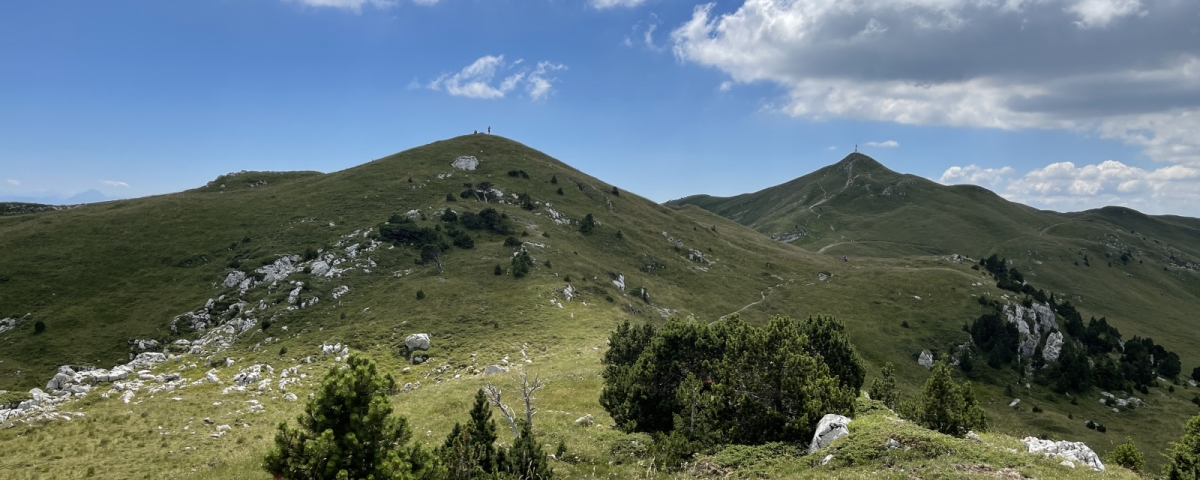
(259,269)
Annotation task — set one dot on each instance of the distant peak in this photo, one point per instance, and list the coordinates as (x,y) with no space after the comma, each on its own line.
(860,162)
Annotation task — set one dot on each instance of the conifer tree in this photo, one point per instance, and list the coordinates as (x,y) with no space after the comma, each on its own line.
(884,389)
(348,431)
(470,451)
(947,407)
(1183,458)
(1126,455)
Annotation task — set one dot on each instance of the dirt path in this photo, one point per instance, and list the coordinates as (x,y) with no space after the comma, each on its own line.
(748,305)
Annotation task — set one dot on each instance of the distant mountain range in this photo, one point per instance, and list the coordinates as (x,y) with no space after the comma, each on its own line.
(90,196)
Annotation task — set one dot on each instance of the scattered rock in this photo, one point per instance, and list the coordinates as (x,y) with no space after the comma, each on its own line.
(289,397)
(892,444)
(1076,452)
(827,459)
(1014,402)
(619,281)
(925,359)
(971,435)
(495,369)
(465,163)
(585,421)
(419,359)
(830,428)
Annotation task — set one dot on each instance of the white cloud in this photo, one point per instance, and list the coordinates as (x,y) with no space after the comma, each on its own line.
(973,174)
(725,86)
(355,5)
(14,182)
(884,144)
(539,85)
(1127,70)
(1064,186)
(1099,13)
(605,4)
(832,148)
(476,79)
(114,184)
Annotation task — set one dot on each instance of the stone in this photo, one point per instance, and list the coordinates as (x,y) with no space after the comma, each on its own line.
(417,341)
(925,359)
(1053,347)
(619,282)
(211,376)
(1067,463)
(495,369)
(234,278)
(1014,402)
(58,382)
(1075,452)
(289,397)
(971,435)
(319,268)
(465,163)
(830,428)
(585,421)
(827,459)
(419,359)
(892,444)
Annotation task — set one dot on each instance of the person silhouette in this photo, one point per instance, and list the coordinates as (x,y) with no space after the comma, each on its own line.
(489,129)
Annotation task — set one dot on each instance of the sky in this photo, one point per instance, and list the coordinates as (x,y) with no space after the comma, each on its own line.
(1060,104)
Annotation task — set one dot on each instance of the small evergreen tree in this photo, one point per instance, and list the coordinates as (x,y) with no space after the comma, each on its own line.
(348,431)
(884,389)
(1126,455)
(615,192)
(588,224)
(450,197)
(470,451)
(1183,458)
(521,264)
(449,216)
(559,191)
(947,407)
(498,271)
(525,459)
(39,327)
(554,179)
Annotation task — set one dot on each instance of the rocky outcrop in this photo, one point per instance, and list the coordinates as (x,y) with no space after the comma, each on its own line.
(619,281)
(830,428)
(1075,452)
(1033,323)
(1053,347)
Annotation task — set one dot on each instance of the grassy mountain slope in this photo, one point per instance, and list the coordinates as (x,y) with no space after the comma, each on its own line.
(100,275)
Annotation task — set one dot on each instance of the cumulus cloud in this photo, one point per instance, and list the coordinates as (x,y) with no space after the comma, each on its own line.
(606,4)
(14,182)
(477,80)
(112,183)
(884,144)
(975,175)
(1119,69)
(725,86)
(1064,186)
(355,5)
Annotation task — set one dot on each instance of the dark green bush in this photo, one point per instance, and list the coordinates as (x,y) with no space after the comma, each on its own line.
(946,406)
(512,242)
(522,264)
(1183,457)
(1126,455)
(39,327)
(498,270)
(420,294)
(588,224)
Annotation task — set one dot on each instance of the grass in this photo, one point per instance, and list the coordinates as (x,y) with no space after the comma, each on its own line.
(103,274)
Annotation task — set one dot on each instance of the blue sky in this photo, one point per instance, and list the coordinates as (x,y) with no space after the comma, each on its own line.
(1062,104)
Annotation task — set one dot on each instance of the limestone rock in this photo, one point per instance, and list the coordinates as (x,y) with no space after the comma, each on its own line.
(289,397)
(1075,452)
(1053,347)
(319,268)
(58,382)
(417,341)
(619,282)
(830,428)
(585,421)
(974,436)
(926,359)
(465,163)
(234,278)
(494,369)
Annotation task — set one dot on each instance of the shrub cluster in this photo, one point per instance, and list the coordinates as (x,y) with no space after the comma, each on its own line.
(696,385)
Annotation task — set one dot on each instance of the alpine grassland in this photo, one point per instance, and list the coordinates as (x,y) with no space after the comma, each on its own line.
(528,266)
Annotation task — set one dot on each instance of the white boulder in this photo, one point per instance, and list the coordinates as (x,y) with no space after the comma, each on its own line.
(830,428)
(1053,347)
(417,341)
(925,359)
(585,421)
